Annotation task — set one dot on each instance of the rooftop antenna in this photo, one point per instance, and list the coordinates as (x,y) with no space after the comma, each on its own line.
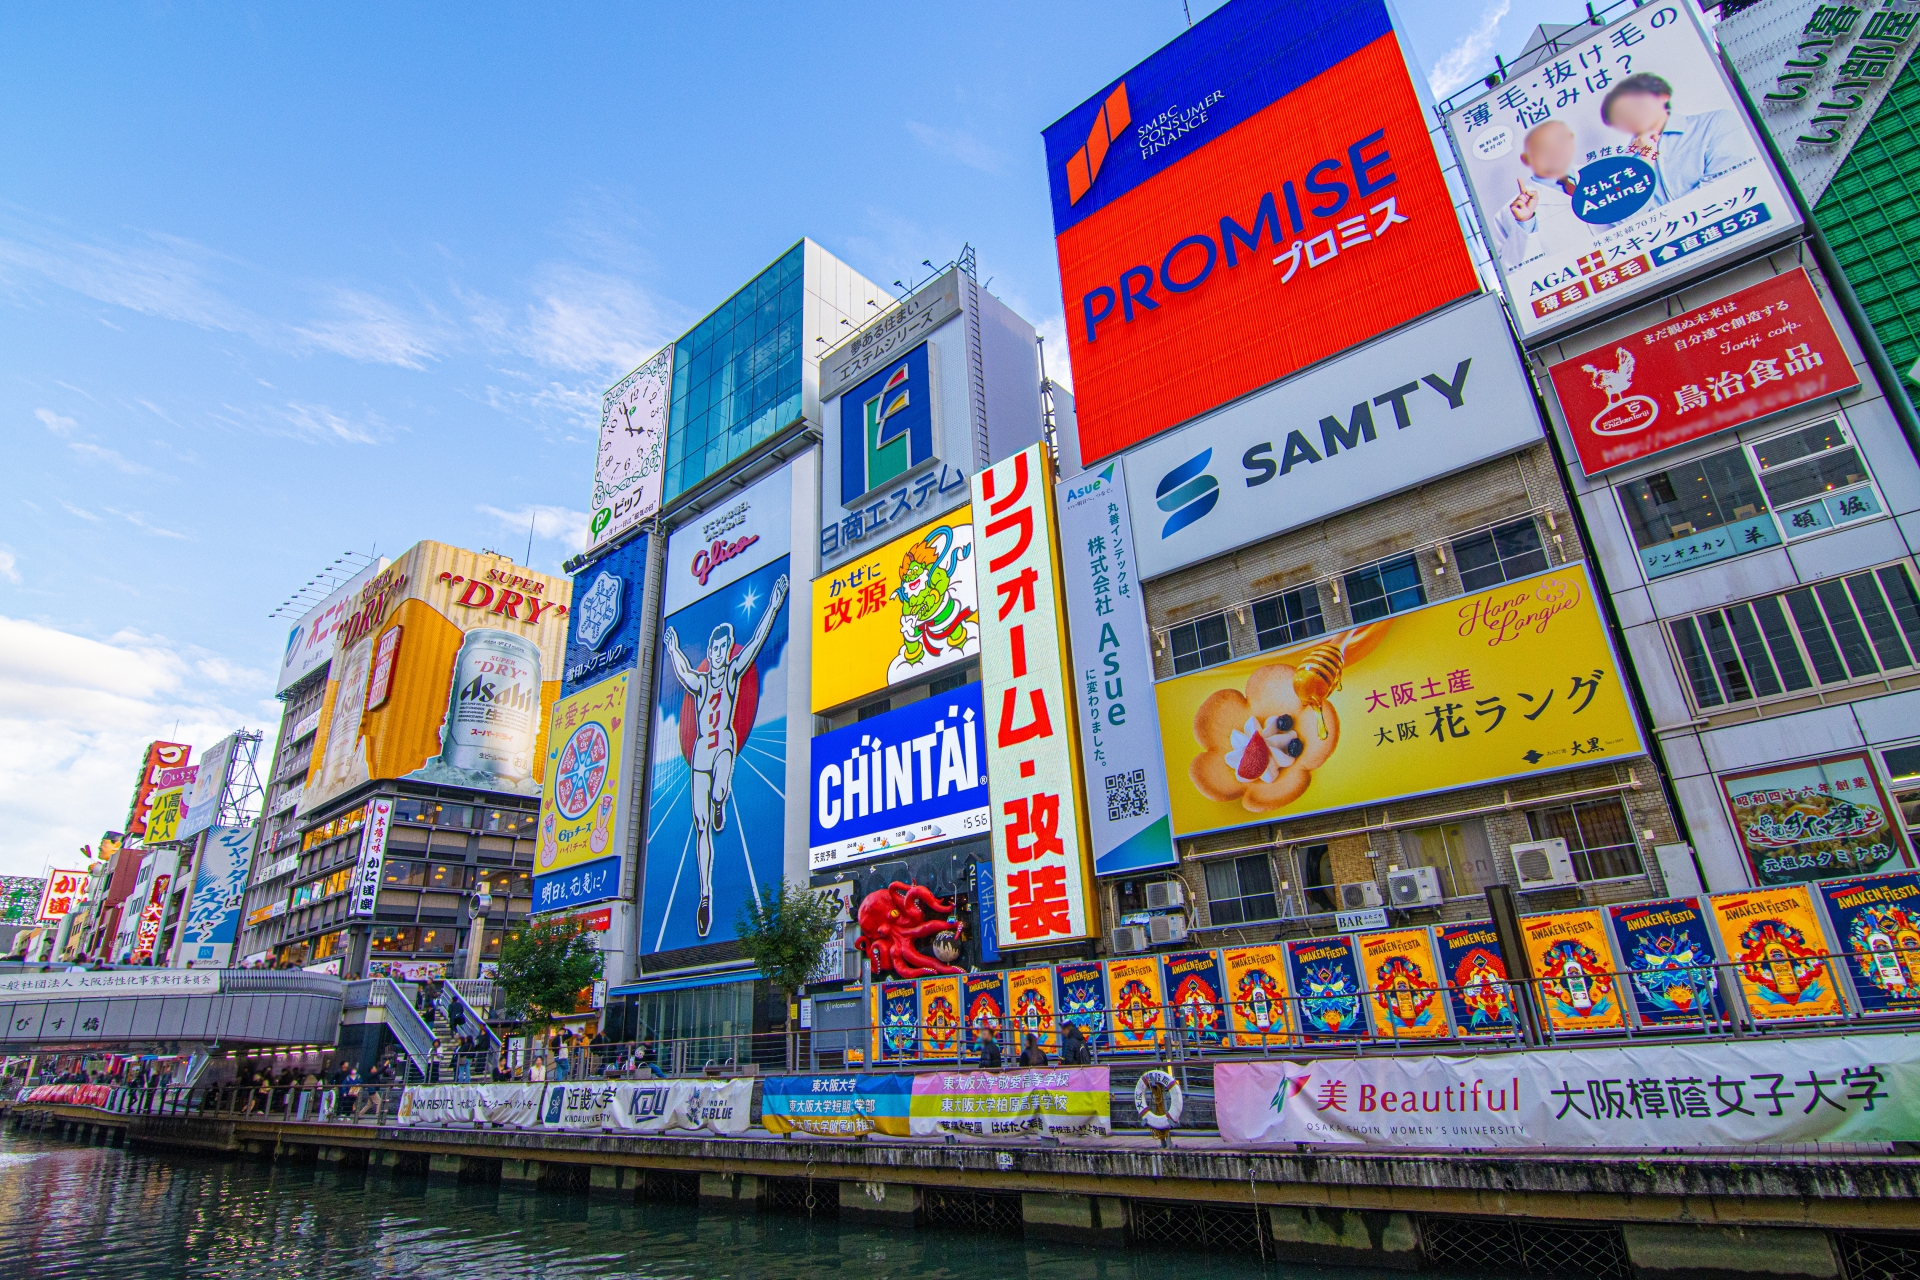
(1188,10)
(533,514)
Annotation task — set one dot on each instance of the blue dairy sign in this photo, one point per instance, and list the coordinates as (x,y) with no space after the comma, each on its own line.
(909,778)
(577,886)
(603,631)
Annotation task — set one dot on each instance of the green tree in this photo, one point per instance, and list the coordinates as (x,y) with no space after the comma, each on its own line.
(543,968)
(783,934)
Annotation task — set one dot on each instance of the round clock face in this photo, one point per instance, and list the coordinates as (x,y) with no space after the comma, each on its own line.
(631,428)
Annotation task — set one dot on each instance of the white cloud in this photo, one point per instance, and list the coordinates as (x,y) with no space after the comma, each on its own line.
(138,519)
(372,330)
(82,512)
(112,457)
(54,422)
(957,144)
(561,523)
(590,322)
(1470,53)
(75,717)
(159,275)
(9,564)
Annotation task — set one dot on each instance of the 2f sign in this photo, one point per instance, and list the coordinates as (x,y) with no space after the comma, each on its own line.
(1039,842)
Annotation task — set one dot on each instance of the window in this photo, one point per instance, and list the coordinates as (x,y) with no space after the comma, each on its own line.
(873,709)
(436,941)
(1835,631)
(736,375)
(1240,890)
(508,821)
(1597,834)
(1457,850)
(404,873)
(1316,877)
(445,875)
(951,681)
(1815,478)
(408,809)
(1672,513)
(328,943)
(1384,588)
(1499,555)
(1288,618)
(1200,643)
(395,938)
(1903,766)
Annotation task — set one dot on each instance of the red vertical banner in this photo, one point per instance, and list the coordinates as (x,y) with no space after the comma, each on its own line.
(1040,856)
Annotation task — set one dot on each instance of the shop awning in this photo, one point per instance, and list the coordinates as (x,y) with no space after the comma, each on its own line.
(684,982)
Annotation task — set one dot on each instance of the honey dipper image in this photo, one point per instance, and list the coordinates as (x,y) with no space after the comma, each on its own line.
(1261,747)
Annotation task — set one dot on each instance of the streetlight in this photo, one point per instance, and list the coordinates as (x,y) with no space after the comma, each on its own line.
(482,903)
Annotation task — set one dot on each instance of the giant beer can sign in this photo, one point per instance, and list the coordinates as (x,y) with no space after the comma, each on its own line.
(493,709)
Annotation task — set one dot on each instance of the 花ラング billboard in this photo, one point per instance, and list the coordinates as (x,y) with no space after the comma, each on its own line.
(310,642)
(1438,396)
(1258,195)
(631,463)
(896,613)
(444,672)
(1516,680)
(727,696)
(1615,169)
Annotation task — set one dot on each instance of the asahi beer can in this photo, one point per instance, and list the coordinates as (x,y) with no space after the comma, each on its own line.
(493,710)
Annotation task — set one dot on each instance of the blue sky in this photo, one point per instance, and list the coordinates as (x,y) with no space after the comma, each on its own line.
(277,282)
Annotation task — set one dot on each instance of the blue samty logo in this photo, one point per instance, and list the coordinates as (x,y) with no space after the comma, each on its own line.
(1187,493)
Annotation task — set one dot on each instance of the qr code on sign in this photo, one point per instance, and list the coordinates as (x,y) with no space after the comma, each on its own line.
(1126,795)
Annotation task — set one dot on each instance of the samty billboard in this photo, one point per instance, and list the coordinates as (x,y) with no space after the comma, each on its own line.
(445,672)
(1260,194)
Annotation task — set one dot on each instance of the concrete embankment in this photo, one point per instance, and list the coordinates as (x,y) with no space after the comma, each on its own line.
(1772,1213)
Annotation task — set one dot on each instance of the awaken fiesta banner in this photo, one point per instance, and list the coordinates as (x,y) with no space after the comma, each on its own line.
(1842,1089)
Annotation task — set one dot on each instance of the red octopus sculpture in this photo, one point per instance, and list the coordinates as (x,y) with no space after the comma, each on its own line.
(893,919)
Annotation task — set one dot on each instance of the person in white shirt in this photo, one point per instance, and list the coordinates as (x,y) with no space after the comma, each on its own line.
(1540,218)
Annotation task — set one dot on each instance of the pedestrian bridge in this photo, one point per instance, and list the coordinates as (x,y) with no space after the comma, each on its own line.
(109,1008)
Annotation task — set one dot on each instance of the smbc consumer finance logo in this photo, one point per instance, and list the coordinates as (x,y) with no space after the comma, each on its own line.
(1186,493)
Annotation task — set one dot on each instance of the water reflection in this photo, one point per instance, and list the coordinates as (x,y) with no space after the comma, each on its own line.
(85,1211)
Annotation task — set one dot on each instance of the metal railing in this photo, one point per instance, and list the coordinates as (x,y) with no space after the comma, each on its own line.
(408,1027)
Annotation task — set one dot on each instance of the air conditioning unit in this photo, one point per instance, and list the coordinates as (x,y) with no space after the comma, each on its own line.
(1541,864)
(1164,929)
(1165,895)
(1359,894)
(1129,938)
(1414,887)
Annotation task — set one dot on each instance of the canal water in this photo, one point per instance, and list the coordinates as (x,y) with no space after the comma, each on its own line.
(89,1211)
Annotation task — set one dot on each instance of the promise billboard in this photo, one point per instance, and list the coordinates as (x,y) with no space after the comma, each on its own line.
(1256,196)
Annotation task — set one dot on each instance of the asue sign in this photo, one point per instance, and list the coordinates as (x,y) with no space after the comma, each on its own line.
(1258,195)
(1439,396)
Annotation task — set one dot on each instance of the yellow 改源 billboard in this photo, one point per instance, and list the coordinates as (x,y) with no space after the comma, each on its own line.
(896,613)
(1503,683)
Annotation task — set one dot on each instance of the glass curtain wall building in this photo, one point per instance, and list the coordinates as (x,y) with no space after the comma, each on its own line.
(750,369)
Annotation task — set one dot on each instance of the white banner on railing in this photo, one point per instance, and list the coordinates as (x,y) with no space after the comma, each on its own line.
(1725,1094)
(501,1104)
(649,1106)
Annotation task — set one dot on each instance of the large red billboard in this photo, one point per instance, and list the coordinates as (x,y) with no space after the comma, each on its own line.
(1752,353)
(1258,195)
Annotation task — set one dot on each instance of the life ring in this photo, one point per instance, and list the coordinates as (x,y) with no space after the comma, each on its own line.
(1172,1100)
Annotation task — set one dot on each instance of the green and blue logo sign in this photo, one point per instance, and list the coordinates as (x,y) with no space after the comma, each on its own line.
(886,425)
(1186,493)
